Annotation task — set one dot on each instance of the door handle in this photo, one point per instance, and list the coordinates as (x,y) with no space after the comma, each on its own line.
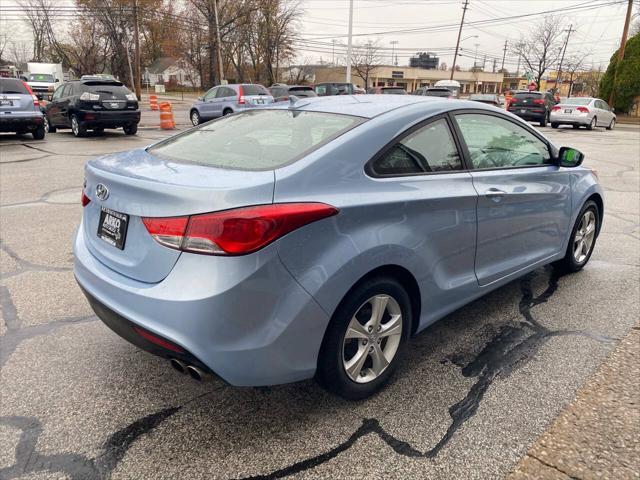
(495,194)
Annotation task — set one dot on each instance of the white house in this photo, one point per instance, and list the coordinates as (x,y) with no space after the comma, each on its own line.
(171,71)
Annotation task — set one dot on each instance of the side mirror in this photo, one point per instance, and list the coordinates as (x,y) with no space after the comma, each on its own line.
(200,99)
(57,80)
(570,157)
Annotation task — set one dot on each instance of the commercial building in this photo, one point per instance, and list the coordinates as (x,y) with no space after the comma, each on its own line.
(411,78)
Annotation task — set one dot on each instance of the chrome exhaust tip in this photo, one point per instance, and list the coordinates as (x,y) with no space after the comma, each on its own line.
(178,365)
(197,374)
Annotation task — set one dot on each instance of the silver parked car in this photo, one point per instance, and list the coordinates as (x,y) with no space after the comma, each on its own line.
(583,112)
(226,99)
(19,109)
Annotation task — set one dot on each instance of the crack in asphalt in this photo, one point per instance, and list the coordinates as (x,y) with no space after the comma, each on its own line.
(26,265)
(511,348)
(570,477)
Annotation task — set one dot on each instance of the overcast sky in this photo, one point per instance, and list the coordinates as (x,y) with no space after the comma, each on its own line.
(434,27)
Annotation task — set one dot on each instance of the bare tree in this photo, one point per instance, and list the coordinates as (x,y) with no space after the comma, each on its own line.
(540,49)
(18,52)
(573,64)
(591,82)
(365,58)
(4,41)
(37,16)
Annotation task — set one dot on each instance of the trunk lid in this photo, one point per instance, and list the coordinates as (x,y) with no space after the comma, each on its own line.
(142,185)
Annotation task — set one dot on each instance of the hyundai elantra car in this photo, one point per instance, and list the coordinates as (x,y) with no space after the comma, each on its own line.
(315,238)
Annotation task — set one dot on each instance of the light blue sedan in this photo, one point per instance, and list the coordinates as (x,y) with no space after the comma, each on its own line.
(315,238)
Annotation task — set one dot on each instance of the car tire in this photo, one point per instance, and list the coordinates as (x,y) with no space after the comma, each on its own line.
(39,133)
(543,122)
(195,117)
(227,111)
(588,220)
(130,129)
(554,125)
(77,128)
(366,355)
(592,124)
(612,124)
(47,125)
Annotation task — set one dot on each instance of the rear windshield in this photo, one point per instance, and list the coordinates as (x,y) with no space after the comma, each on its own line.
(438,92)
(254,90)
(110,88)
(528,95)
(576,101)
(302,91)
(41,77)
(11,85)
(483,97)
(257,139)
(394,90)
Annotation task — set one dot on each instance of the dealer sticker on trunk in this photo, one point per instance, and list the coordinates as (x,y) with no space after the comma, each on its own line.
(113,227)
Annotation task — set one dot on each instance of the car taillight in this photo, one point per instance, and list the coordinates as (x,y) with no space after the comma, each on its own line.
(539,101)
(36,103)
(84,200)
(583,109)
(555,109)
(240,95)
(235,232)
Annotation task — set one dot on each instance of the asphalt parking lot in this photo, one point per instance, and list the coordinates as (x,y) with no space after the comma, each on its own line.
(477,389)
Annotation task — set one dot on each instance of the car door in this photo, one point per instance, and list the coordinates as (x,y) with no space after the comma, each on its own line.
(53,107)
(228,99)
(524,199)
(603,113)
(207,110)
(430,199)
(65,102)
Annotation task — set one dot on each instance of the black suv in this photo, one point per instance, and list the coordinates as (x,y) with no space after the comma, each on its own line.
(92,104)
(532,106)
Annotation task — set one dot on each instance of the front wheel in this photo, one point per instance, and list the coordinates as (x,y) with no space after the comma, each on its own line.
(195,118)
(554,125)
(130,129)
(365,339)
(47,125)
(592,123)
(583,238)
(612,124)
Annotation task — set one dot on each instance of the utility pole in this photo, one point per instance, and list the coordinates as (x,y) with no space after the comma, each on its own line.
(623,43)
(349,42)
(136,53)
(504,54)
(393,50)
(564,50)
(218,44)
(495,62)
(333,52)
(455,55)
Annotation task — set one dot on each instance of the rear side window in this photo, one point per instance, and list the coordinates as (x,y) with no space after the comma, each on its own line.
(257,139)
(494,142)
(13,85)
(429,149)
(254,90)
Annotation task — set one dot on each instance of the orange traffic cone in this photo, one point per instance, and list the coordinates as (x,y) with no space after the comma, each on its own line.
(153,102)
(166,117)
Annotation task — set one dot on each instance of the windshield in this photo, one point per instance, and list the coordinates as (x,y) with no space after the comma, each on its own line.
(257,139)
(41,77)
(576,101)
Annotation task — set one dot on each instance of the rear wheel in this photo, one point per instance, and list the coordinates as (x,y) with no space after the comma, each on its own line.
(543,122)
(130,129)
(612,124)
(227,111)
(39,133)
(592,123)
(78,129)
(554,125)
(365,339)
(583,238)
(195,117)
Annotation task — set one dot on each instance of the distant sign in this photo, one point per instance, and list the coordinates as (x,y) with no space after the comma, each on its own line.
(528,76)
(532,86)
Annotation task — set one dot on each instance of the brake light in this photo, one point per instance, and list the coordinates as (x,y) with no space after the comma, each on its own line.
(240,95)
(36,103)
(84,200)
(583,109)
(235,232)
(555,109)
(157,340)
(539,101)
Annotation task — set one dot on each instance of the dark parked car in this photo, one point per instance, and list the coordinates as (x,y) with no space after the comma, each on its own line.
(283,92)
(435,92)
(486,98)
(387,90)
(329,88)
(20,109)
(532,106)
(92,103)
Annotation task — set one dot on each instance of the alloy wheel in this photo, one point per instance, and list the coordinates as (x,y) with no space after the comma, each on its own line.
(195,118)
(583,240)
(74,126)
(372,338)
(46,124)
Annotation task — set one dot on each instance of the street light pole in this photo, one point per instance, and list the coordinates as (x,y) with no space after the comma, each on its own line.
(455,55)
(393,49)
(350,42)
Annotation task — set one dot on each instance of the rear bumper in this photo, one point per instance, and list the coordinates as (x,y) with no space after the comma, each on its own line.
(243,318)
(15,123)
(562,119)
(108,119)
(528,114)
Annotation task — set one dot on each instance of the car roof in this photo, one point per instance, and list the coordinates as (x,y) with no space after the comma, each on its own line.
(369,106)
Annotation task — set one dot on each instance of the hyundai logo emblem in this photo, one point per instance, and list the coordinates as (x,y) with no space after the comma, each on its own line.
(102,192)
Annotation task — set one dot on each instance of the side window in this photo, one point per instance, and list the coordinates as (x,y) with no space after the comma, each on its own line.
(224,92)
(211,94)
(71,90)
(58,93)
(429,149)
(494,142)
